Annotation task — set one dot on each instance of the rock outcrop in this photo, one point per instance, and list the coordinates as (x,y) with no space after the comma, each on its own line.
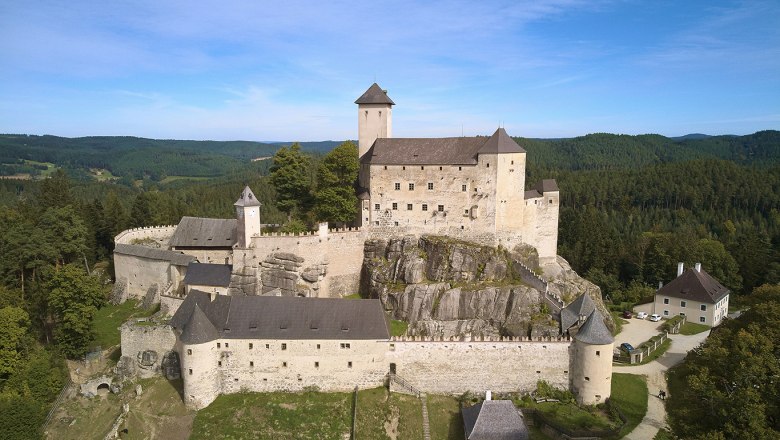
(450,288)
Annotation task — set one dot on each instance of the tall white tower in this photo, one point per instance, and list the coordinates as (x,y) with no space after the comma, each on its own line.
(248,218)
(375,117)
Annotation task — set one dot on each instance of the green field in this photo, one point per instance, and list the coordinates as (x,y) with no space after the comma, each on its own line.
(110,317)
(693,328)
(629,393)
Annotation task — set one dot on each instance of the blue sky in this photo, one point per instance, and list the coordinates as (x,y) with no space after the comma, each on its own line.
(290,70)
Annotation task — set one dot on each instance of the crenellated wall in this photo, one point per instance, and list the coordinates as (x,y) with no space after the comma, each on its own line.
(161,234)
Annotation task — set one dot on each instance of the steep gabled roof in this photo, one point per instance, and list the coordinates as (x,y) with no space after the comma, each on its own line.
(494,420)
(374,95)
(499,143)
(695,285)
(204,232)
(424,151)
(594,331)
(203,274)
(570,315)
(198,328)
(136,250)
(270,317)
(547,185)
(247,198)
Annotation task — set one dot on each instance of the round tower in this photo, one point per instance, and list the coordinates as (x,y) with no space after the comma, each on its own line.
(199,367)
(591,377)
(375,117)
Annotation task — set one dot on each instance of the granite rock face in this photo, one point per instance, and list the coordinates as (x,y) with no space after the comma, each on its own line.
(450,288)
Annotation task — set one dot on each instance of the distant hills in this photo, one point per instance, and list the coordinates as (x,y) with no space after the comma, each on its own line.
(124,157)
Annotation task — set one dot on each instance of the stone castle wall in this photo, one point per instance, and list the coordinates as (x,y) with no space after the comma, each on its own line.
(137,337)
(139,274)
(161,234)
(457,367)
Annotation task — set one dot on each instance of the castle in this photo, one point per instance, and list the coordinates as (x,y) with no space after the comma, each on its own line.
(221,279)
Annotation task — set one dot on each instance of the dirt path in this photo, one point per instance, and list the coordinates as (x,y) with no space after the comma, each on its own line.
(655,372)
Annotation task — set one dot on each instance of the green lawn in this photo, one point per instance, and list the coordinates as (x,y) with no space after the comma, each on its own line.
(445,418)
(629,393)
(275,416)
(574,417)
(384,415)
(110,317)
(693,328)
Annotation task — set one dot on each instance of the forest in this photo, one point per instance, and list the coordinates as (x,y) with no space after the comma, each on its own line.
(631,208)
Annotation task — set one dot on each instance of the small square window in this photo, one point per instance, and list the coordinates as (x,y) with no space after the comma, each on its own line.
(318,346)
(440,208)
(403,168)
(396,223)
(424,207)
(666,313)
(376,206)
(703,307)
(430,185)
(598,353)
(227,345)
(219,345)
(395,206)
(316,365)
(460,168)
(385,166)
(251,363)
(349,364)
(666,300)
(397,186)
(251,345)
(512,162)
(267,346)
(189,351)
(682,303)
(408,206)
(466,212)
(284,364)
(190,371)
(219,363)
(440,168)
(488,166)
(587,378)
(702,319)
(411,187)
(284,346)
(422,167)
(463,188)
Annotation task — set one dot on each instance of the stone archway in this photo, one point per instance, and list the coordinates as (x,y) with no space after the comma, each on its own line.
(103,389)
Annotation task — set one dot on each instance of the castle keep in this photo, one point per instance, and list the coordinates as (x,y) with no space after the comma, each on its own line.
(263,311)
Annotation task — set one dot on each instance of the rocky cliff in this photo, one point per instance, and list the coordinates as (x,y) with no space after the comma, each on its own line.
(450,288)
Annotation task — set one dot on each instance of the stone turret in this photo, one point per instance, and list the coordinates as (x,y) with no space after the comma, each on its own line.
(375,117)
(199,360)
(248,216)
(591,378)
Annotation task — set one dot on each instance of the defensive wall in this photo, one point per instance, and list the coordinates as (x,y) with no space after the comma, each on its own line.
(161,234)
(138,336)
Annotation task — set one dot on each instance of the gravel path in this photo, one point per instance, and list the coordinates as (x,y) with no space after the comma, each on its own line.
(655,418)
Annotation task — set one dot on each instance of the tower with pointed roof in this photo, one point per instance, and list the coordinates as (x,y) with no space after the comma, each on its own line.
(199,364)
(591,360)
(248,218)
(375,117)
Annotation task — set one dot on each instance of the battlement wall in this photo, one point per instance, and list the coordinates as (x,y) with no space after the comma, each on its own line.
(161,234)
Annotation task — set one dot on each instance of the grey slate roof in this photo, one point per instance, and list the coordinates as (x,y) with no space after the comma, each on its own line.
(204,232)
(374,95)
(203,274)
(531,194)
(594,331)
(494,420)
(582,306)
(547,185)
(198,328)
(247,198)
(438,151)
(500,142)
(270,317)
(695,286)
(135,250)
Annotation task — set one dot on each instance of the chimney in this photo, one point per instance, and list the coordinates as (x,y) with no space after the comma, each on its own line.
(488,395)
(213,295)
(698,267)
(680,268)
(660,284)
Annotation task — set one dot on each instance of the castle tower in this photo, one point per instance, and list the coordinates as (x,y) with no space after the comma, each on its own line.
(375,117)
(248,218)
(199,360)
(591,377)
(507,159)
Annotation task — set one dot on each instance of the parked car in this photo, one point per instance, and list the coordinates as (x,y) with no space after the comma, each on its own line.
(627,314)
(627,347)
(641,315)
(655,317)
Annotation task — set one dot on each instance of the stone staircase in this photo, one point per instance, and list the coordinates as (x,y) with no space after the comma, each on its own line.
(426,423)
(397,384)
